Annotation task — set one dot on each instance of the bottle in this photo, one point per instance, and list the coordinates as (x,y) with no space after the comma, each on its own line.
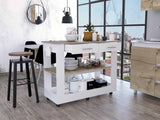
(94,36)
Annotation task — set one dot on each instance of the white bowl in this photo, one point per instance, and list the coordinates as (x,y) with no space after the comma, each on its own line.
(75,64)
(71,67)
(71,37)
(71,62)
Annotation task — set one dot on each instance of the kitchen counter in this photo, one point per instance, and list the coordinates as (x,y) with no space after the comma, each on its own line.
(60,93)
(148,44)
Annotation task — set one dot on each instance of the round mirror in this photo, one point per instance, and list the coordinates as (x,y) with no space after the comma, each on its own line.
(36,14)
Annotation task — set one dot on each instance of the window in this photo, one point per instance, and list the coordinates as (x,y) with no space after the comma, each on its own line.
(117,20)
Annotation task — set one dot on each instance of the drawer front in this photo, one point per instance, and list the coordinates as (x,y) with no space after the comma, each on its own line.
(147,55)
(82,48)
(138,66)
(114,46)
(143,82)
(143,77)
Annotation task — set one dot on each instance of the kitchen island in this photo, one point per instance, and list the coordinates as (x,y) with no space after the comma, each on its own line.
(145,67)
(57,93)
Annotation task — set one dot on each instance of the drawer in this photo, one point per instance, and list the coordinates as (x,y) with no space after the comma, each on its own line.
(82,48)
(143,82)
(147,55)
(138,66)
(103,47)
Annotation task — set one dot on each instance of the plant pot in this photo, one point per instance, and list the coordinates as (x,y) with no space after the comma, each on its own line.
(87,36)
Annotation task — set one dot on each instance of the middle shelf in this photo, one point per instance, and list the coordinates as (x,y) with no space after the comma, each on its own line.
(79,70)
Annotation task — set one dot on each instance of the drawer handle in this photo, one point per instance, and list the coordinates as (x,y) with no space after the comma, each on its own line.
(87,49)
(111,47)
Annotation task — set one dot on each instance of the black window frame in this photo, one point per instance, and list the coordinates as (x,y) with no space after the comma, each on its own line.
(123,25)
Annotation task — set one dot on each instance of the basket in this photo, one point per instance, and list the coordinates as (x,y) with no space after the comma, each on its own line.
(87,36)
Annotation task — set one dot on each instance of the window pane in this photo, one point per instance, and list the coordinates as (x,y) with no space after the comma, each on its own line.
(83,1)
(132,33)
(113,33)
(99,30)
(126,67)
(83,15)
(81,30)
(133,13)
(114,12)
(97,13)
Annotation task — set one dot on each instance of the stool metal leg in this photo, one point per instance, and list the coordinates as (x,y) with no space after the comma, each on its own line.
(15,85)
(9,80)
(35,82)
(21,64)
(28,80)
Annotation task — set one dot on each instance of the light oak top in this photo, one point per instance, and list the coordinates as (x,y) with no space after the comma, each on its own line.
(20,53)
(83,42)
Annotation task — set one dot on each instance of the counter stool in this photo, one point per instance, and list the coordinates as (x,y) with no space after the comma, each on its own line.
(26,61)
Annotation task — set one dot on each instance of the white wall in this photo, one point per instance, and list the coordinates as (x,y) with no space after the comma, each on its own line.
(153,24)
(15,28)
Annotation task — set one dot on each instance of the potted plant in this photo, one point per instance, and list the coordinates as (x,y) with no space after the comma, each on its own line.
(89,29)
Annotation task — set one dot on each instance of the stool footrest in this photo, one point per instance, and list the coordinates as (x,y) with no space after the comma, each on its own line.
(24,83)
(21,79)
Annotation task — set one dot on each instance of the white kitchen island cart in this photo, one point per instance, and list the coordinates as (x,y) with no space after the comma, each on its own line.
(57,93)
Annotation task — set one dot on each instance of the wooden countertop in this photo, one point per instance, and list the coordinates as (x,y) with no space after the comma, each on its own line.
(83,42)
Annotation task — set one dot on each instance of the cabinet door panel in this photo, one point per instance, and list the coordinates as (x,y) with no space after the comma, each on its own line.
(147,55)
(147,4)
(142,77)
(156,4)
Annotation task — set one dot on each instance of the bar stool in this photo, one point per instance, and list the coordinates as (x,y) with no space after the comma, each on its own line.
(15,62)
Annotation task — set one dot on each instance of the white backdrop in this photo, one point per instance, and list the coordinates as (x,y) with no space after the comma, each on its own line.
(15,28)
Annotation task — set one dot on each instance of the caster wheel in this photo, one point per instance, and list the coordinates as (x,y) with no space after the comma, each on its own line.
(87,98)
(47,98)
(111,93)
(58,105)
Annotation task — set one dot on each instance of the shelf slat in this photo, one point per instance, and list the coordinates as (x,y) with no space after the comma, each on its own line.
(77,71)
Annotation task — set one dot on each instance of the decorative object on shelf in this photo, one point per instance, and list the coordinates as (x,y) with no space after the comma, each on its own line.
(36,13)
(67,12)
(89,31)
(104,38)
(94,36)
(71,64)
(71,34)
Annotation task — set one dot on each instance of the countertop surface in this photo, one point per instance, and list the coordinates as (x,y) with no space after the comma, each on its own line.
(147,43)
(77,42)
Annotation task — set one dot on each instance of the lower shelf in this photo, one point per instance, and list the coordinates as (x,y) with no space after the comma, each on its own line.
(52,94)
(78,70)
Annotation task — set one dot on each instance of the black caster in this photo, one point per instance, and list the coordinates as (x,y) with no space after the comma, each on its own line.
(87,98)
(47,98)
(58,105)
(111,93)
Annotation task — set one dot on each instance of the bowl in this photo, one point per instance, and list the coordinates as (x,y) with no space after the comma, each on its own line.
(71,67)
(71,37)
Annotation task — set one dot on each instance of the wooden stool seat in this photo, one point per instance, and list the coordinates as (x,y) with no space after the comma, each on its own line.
(20,53)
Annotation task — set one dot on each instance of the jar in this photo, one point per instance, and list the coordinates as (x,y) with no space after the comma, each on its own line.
(88,64)
(96,63)
(102,63)
(80,61)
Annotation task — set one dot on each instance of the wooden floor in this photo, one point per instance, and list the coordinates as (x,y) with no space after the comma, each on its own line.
(122,105)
